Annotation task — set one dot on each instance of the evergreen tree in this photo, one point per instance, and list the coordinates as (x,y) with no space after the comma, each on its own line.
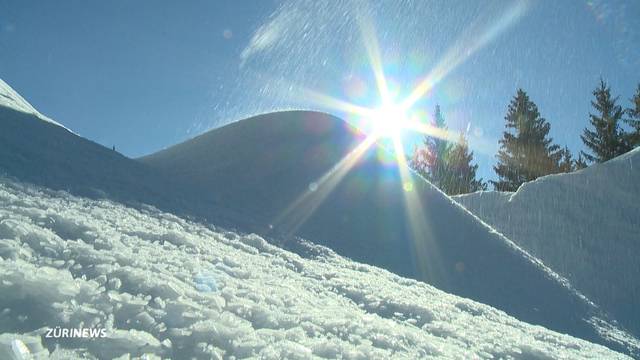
(430,159)
(566,163)
(634,119)
(580,163)
(445,165)
(420,160)
(607,140)
(439,148)
(463,173)
(526,152)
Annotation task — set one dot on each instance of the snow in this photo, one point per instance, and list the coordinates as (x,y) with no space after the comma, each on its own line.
(368,218)
(226,178)
(584,225)
(11,99)
(78,263)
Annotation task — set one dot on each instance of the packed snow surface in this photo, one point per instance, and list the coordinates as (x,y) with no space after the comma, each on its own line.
(169,287)
(11,99)
(585,225)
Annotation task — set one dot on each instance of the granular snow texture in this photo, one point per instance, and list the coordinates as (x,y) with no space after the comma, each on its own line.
(167,287)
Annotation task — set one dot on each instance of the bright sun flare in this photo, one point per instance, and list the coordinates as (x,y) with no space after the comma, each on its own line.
(388,121)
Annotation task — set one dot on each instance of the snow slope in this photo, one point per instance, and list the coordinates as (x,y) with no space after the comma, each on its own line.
(585,225)
(164,286)
(11,99)
(262,165)
(43,153)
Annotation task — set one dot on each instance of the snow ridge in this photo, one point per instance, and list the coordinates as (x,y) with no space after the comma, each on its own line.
(11,99)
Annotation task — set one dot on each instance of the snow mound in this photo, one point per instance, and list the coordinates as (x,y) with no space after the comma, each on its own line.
(11,99)
(585,225)
(162,286)
(269,170)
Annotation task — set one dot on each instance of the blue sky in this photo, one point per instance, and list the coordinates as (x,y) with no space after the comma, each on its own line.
(143,75)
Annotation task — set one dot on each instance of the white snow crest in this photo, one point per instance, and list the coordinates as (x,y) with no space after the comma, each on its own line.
(11,99)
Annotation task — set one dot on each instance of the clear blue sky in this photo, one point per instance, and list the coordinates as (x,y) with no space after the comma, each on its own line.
(144,75)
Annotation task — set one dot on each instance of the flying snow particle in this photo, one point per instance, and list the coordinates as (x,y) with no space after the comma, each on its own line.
(313,187)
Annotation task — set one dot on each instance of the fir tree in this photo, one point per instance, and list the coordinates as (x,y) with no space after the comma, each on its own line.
(445,165)
(580,163)
(634,119)
(429,160)
(566,163)
(420,160)
(463,173)
(607,140)
(526,152)
(439,148)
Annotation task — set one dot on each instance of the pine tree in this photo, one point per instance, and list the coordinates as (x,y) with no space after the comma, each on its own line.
(439,148)
(566,163)
(463,173)
(447,166)
(580,163)
(430,159)
(526,153)
(634,119)
(607,140)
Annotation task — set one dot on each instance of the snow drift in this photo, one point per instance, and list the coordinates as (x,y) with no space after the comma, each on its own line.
(585,225)
(162,286)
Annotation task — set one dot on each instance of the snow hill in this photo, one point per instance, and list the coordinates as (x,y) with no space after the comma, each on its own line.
(246,174)
(260,166)
(585,225)
(38,150)
(164,286)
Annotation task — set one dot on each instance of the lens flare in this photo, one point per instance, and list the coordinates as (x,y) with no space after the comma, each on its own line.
(387,122)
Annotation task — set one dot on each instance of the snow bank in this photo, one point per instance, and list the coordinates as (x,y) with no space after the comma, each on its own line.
(11,99)
(167,287)
(585,225)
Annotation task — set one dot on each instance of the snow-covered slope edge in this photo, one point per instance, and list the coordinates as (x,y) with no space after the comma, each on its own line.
(584,225)
(162,285)
(11,99)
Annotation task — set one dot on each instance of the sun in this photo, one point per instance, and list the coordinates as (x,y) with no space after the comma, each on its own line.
(388,121)
(386,124)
